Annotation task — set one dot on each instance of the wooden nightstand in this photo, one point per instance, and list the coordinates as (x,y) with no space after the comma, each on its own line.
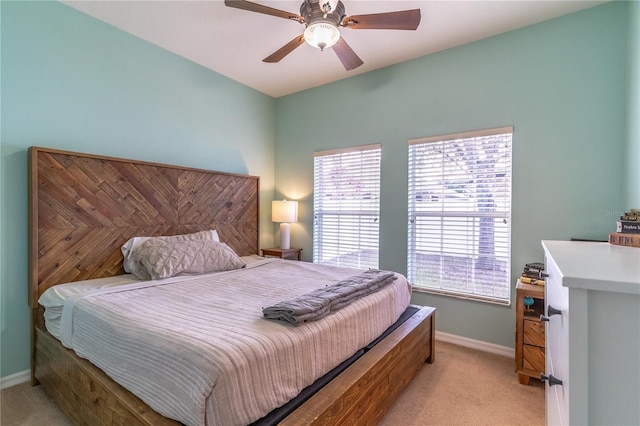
(282,253)
(530,345)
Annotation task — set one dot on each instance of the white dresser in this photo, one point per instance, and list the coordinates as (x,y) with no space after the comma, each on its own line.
(593,343)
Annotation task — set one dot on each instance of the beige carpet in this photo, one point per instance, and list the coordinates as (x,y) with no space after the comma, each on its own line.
(463,387)
(468,387)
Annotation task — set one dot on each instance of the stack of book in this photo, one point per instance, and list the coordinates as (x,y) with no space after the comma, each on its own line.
(533,273)
(627,230)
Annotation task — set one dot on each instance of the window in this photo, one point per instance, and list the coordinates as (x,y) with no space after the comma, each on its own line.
(346,206)
(459,239)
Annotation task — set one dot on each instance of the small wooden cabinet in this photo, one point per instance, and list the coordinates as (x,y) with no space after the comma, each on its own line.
(530,339)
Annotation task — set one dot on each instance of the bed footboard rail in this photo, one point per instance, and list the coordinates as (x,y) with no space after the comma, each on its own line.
(86,394)
(367,389)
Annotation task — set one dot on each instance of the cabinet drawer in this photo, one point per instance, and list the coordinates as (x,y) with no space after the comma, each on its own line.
(533,332)
(533,358)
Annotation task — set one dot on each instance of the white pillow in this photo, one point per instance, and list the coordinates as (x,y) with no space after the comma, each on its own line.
(130,266)
(160,259)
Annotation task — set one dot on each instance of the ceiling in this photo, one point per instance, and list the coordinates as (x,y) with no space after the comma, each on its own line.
(233,42)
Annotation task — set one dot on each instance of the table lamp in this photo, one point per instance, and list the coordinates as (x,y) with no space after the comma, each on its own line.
(284,212)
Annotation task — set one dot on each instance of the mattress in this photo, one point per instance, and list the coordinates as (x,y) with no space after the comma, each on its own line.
(197,349)
(54,298)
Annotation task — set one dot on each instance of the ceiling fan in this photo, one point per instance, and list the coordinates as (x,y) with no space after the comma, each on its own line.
(323,18)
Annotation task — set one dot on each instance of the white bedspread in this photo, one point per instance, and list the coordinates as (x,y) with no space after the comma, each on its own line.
(198,350)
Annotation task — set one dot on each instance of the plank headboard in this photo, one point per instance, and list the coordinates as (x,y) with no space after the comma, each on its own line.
(83,207)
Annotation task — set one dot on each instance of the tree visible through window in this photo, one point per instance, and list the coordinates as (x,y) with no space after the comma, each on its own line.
(346,207)
(459,230)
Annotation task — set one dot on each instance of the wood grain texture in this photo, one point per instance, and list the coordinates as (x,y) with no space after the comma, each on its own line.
(529,332)
(364,392)
(533,360)
(533,332)
(84,392)
(83,208)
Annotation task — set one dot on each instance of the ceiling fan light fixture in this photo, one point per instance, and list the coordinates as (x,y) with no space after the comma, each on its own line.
(321,35)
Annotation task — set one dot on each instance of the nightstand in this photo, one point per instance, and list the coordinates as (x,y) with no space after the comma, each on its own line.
(282,253)
(530,343)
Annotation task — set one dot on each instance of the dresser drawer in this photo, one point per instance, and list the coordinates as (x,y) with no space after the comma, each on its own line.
(533,332)
(533,358)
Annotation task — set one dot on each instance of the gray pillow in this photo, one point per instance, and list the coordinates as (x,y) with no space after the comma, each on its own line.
(131,265)
(159,258)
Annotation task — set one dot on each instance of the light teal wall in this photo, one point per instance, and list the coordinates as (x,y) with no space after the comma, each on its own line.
(561,83)
(72,82)
(632,176)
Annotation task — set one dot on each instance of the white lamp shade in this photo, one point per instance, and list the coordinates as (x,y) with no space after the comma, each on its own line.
(284,211)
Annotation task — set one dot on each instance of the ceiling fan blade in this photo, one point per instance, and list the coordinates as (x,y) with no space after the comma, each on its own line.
(401,20)
(255,7)
(285,50)
(346,55)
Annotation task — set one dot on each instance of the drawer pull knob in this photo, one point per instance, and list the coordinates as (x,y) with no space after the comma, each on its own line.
(552,380)
(551,311)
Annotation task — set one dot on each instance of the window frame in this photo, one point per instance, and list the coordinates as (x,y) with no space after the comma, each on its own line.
(414,234)
(369,232)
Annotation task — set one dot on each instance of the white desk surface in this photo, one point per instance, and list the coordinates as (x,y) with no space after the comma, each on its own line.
(596,266)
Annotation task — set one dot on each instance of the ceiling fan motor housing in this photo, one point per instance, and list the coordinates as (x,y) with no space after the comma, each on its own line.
(318,21)
(312,13)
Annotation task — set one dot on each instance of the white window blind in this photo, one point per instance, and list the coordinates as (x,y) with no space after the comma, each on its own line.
(346,206)
(459,239)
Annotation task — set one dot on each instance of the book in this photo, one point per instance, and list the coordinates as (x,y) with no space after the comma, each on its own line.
(621,239)
(533,281)
(532,274)
(628,227)
(633,215)
(530,270)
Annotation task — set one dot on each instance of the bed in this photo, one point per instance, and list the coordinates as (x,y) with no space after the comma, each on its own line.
(82,210)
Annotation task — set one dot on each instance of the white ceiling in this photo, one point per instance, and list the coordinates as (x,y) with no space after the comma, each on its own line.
(233,42)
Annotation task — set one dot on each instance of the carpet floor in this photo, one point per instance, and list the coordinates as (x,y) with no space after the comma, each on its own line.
(463,387)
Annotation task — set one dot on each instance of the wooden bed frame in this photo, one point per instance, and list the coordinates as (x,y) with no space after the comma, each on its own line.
(83,207)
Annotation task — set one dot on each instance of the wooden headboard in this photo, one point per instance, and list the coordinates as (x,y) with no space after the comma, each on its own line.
(83,207)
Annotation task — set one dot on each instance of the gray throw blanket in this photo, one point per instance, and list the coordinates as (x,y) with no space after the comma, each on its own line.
(322,302)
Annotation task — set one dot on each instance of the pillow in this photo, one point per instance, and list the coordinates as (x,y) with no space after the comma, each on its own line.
(159,258)
(133,243)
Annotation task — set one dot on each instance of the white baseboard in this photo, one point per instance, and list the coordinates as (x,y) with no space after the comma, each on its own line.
(476,344)
(15,379)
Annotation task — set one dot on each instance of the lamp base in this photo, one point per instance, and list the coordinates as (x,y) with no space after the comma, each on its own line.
(285,234)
